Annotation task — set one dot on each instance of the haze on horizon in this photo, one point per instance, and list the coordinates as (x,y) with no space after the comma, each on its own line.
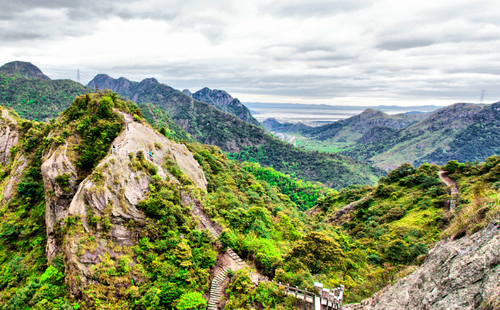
(346,52)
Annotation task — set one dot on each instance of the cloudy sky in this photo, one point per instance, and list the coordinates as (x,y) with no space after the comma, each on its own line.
(356,52)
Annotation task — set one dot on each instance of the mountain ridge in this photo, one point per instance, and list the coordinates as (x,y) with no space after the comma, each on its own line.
(241,140)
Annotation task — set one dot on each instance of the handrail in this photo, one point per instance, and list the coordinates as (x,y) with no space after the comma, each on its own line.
(332,299)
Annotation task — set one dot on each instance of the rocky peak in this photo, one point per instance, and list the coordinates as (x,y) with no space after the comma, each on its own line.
(188,92)
(216,97)
(23,69)
(225,102)
(104,81)
(103,207)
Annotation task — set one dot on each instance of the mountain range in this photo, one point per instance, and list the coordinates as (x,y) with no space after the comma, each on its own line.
(241,140)
(462,131)
(115,205)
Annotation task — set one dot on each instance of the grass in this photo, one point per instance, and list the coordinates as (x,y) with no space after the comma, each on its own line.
(474,216)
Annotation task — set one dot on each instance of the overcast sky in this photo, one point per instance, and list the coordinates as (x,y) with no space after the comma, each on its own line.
(357,52)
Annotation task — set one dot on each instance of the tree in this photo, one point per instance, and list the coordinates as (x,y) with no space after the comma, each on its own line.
(318,252)
(192,301)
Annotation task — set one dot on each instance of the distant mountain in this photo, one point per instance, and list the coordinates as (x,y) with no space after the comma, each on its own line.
(21,69)
(463,132)
(224,102)
(383,108)
(243,141)
(36,97)
(343,134)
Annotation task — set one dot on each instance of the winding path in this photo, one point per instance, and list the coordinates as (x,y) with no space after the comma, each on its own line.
(453,188)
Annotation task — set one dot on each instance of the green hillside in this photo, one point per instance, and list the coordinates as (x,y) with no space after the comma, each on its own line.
(36,98)
(343,134)
(362,237)
(464,132)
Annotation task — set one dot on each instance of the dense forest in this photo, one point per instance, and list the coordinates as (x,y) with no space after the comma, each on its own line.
(333,170)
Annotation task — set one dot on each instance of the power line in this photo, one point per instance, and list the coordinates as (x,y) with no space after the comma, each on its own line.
(482,97)
(78,75)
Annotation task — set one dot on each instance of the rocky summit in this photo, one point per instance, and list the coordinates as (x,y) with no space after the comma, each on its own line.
(225,102)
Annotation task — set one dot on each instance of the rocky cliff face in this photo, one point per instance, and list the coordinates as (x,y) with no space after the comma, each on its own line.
(9,138)
(457,274)
(225,102)
(98,219)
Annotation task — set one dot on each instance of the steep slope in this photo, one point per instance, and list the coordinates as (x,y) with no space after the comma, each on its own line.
(457,274)
(21,69)
(36,97)
(163,123)
(462,131)
(243,141)
(344,134)
(224,102)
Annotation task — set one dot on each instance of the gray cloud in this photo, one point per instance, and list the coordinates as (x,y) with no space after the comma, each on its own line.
(306,9)
(394,45)
(288,49)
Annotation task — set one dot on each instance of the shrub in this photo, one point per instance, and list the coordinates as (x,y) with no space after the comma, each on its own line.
(397,251)
(191,301)
(52,276)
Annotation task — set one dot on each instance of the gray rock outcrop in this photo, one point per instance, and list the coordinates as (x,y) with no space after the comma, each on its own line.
(9,137)
(57,170)
(457,274)
(225,102)
(102,209)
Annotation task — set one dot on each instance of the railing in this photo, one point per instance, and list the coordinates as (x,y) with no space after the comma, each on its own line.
(322,298)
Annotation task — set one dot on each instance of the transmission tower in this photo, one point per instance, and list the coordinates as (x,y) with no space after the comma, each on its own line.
(78,75)
(482,97)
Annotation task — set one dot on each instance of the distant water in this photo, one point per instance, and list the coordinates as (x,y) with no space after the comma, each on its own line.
(317,117)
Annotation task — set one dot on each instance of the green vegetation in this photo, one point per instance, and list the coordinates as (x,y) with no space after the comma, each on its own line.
(479,203)
(333,170)
(26,280)
(89,126)
(304,194)
(173,259)
(37,99)
(163,123)
(364,237)
(243,141)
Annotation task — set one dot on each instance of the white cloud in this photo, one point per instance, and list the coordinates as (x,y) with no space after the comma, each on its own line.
(338,52)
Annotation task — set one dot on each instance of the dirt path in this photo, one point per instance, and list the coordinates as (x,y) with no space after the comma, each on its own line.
(453,188)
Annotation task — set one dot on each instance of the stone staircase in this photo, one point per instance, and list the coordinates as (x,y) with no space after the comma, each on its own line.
(215,289)
(215,286)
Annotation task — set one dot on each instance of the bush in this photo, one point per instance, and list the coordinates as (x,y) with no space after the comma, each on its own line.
(191,301)
(397,251)
(52,276)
